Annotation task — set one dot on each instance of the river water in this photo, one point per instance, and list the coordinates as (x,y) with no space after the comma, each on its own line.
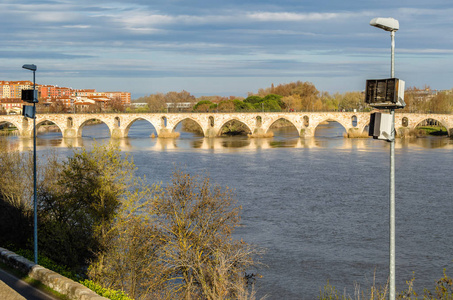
(318,206)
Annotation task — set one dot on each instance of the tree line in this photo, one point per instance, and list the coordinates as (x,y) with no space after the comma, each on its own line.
(296,96)
(109,225)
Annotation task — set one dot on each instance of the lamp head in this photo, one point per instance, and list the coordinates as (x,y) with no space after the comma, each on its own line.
(387,24)
(30,67)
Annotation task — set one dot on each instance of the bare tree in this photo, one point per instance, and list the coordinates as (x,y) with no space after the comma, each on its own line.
(176,244)
(196,220)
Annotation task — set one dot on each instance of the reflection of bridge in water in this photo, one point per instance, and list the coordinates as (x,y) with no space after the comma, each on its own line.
(211,124)
(233,144)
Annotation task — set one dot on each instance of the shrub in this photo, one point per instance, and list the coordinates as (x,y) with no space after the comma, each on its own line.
(105,292)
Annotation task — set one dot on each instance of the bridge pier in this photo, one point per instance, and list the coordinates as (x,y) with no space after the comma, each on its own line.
(166,133)
(211,132)
(26,133)
(26,130)
(354,132)
(402,131)
(307,132)
(258,132)
(69,133)
(118,133)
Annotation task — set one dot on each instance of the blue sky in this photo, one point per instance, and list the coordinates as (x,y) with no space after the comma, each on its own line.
(227,47)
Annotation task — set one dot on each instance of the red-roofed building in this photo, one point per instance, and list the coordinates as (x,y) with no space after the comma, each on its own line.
(11,105)
(49,94)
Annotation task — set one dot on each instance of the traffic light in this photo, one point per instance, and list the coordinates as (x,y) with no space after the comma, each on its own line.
(385,93)
(30,96)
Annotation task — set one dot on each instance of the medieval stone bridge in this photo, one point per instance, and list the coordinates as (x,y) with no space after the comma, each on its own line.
(258,123)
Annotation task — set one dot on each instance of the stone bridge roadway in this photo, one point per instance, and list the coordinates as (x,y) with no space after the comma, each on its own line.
(71,125)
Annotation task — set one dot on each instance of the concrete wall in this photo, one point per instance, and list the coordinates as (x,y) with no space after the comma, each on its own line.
(49,278)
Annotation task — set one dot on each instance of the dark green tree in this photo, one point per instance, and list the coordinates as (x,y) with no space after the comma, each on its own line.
(203,105)
(241,105)
(78,202)
(253,99)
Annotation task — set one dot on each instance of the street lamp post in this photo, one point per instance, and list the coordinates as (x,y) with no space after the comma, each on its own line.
(391,25)
(35,203)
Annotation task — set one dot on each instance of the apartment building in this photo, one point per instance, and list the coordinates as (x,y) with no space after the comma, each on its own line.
(47,91)
(83,92)
(13,89)
(11,106)
(69,97)
(124,96)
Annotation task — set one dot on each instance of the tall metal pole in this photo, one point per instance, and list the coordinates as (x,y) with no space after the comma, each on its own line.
(35,202)
(392,183)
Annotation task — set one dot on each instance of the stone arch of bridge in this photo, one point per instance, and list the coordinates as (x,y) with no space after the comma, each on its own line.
(274,120)
(14,123)
(330,119)
(55,122)
(417,121)
(87,119)
(363,127)
(177,122)
(249,128)
(132,121)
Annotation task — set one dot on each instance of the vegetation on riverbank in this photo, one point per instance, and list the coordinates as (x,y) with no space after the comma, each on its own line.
(99,219)
(443,289)
(9,132)
(62,270)
(432,130)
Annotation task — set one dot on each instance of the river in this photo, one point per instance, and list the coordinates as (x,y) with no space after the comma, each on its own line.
(318,206)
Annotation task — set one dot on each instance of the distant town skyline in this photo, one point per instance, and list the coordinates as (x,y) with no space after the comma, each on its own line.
(223,47)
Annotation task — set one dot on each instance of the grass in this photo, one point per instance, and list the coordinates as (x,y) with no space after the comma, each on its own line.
(432,130)
(9,131)
(261,135)
(169,135)
(443,289)
(355,134)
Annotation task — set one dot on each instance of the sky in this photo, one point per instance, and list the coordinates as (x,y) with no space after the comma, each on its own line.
(229,47)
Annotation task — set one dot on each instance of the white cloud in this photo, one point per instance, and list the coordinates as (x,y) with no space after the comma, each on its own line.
(302,17)
(140,20)
(286,16)
(426,51)
(77,26)
(51,16)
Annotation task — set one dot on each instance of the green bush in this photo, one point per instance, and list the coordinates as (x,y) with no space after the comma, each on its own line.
(444,289)
(64,271)
(104,292)
(49,264)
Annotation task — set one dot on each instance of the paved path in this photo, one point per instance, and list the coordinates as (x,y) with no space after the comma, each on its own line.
(12,288)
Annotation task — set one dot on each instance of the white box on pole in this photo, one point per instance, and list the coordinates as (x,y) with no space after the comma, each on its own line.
(381,126)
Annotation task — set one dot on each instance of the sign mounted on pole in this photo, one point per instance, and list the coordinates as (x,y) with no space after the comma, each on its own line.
(30,96)
(385,93)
